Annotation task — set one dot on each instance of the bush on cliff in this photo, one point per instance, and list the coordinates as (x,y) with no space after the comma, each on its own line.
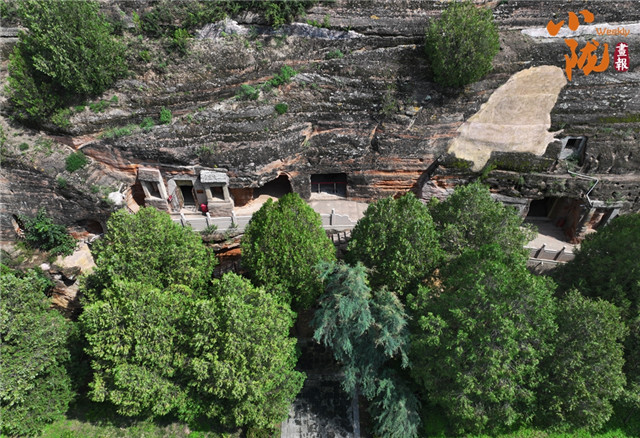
(67,51)
(461,44)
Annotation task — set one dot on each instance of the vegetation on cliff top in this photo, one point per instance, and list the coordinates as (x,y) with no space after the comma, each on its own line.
(461,44)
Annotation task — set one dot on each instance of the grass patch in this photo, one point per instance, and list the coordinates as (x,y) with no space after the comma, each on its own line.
(285,76)
(99,106)
(62,182)
(334,54)
(146,124)
(248,92)
(165,116)
(86,419)
(630,118)
(119,131)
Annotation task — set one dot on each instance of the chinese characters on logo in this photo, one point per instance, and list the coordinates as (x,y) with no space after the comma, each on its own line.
(621,57)
(586,58)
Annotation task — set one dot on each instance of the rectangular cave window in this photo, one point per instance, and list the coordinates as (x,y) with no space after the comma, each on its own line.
(154,190)
(574,149)
(330,183)
(217,193)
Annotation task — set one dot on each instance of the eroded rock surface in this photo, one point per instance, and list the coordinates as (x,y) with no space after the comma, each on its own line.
(363,104)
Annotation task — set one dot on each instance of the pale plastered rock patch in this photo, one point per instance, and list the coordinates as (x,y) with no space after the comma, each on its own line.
(516,118)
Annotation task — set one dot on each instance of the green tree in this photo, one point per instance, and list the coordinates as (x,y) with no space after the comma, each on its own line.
(148,247)
(282,245)
(241,358)
(367,333)
(584,374)
(224,355)
(397,240)
(67,51)
(606,266)
(133,339)
(35,387)
(480,333)
(470,219)
(461,44)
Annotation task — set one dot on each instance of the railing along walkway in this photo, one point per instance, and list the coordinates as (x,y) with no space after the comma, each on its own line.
(331,221)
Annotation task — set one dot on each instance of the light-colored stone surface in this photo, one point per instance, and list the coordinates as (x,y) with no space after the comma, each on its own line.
(551,236)
(516,118)
(81,258)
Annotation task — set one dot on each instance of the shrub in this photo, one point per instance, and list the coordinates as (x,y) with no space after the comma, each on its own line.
(69,51)
(334,54)
(179,40)
(165,116)
(41,232)
(281,108)
(461,44)
(247,92)
(62,182)
(285,75)
(24,146)
(99,106)
(146,124)
(75,161)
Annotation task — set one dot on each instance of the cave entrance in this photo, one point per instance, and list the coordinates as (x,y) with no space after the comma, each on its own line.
(540,208)
(276,188)
(248,201)
(329,184)
(186,190)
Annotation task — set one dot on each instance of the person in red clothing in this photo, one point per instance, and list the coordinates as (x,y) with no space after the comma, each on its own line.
(203,208)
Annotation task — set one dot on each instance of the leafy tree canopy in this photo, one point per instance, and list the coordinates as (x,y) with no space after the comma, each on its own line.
(584,374)
(226,356)
(282,245)
(479,336)
(133,340)
(241,358)
(35,387)
(470,219)
(367,332)
(397,240)
(67,51)
(606,266)
(148,247)
(461,44)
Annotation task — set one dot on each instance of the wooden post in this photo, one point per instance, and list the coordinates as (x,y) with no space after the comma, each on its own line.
(333,211)
(208,219)
(183,220)
(540,250)
(560,253)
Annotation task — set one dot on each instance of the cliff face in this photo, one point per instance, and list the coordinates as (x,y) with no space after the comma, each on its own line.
(362,109)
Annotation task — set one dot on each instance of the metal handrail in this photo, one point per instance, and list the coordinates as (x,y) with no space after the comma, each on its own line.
(592,187)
